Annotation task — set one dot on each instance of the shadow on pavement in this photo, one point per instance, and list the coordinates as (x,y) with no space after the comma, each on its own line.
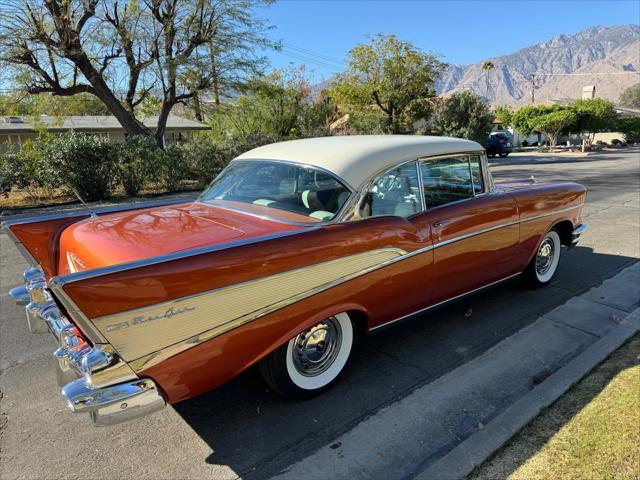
(257,433)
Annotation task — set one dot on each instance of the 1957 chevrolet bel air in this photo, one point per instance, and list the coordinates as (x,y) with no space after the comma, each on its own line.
(294,250)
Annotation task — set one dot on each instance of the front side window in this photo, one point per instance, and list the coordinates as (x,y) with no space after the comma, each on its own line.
(395,193)
(448,180)
(282,186)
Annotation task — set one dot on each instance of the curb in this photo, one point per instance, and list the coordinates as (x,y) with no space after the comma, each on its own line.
(477,448)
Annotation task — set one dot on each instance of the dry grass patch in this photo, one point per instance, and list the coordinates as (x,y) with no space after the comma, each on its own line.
(17,199)
(591,432)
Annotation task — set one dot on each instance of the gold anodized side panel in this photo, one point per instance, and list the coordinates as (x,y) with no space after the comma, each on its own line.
(142,331)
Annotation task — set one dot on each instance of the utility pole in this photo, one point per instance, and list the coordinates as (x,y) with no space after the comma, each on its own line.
(533,88)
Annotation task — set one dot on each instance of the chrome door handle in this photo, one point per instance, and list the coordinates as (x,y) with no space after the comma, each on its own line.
(441,223)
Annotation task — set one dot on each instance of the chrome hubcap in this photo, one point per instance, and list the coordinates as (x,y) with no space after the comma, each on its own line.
(544,259)
(315,350)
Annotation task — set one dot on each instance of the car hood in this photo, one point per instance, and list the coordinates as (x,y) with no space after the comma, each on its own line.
(134,235)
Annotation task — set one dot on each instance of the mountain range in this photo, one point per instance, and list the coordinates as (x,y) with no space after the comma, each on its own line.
(607,57)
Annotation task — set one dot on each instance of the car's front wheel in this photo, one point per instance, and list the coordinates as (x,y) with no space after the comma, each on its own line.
(544,264)
(312,361)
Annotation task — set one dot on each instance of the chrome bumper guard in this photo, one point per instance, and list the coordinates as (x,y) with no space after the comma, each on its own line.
(575,235)
(91,376)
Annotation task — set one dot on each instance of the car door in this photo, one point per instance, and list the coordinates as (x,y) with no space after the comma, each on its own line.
(474,230)
(397,193)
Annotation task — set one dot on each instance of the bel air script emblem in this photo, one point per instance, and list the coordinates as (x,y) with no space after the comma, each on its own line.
(139,320)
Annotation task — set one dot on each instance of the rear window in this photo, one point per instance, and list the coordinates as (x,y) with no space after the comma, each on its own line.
(280,185)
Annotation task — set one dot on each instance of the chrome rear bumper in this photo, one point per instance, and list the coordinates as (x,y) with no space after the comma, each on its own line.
(575,235)
(95,380)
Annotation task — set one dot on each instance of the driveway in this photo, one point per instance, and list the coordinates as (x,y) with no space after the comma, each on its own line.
(242,429)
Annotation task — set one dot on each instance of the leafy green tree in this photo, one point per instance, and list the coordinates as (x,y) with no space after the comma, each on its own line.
(631,97)
(504,115)
(630,126)
(122,51)
(464,115)
(553,123)
(387,74)
(21,103)
(592,116)
(523,117)
(275,105)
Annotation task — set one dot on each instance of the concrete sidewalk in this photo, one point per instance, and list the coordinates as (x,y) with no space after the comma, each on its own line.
(444,429)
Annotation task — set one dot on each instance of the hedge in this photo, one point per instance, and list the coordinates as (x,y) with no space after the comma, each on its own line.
(96,168)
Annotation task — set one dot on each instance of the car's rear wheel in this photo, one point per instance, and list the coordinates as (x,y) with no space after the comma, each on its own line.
(311,362)
(544,264)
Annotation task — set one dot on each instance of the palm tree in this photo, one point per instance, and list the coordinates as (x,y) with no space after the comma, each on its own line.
(487,66)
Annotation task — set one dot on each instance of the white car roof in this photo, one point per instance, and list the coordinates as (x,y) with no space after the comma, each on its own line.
(356,158)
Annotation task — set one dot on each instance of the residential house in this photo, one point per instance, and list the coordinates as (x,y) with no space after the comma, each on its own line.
(14,131)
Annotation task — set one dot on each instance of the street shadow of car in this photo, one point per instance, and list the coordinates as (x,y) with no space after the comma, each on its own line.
(257,433)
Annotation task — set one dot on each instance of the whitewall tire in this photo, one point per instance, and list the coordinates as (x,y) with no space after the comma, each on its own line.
(544,263)
(312,361)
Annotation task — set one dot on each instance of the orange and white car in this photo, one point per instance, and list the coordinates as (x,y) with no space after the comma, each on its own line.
(295,250)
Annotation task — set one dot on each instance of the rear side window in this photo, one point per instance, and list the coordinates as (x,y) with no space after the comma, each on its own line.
(448,180)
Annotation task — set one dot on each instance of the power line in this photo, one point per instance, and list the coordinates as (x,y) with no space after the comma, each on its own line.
(296,56)
(314,54)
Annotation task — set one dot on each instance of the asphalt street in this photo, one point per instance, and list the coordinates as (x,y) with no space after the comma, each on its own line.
(243,429)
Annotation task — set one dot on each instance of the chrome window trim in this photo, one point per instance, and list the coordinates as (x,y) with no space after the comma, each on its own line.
(453,155)
(353,212)
(482,176)
(423,202)
(370,184)
(473,186)
(295,164)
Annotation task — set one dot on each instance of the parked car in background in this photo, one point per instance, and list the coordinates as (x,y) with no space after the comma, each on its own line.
(294,251)
(499,143)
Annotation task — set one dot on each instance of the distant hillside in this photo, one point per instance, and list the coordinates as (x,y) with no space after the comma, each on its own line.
(599,49)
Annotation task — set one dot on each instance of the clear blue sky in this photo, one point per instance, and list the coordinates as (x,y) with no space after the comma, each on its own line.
(462,31)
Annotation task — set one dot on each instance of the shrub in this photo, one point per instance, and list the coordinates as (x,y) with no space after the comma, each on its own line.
(205,159)
(136,158)
(85,164)
(171,168)
(630,127)
(236,146)
(35,159)
(11,172)
(616,141)
(600,142)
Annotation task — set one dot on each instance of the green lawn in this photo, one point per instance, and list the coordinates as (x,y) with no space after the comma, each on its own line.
(591,432)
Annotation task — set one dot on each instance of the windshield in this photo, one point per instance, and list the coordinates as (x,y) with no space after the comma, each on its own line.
(284,186)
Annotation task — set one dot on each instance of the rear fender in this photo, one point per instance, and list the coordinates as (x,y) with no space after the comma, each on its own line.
(37,237)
